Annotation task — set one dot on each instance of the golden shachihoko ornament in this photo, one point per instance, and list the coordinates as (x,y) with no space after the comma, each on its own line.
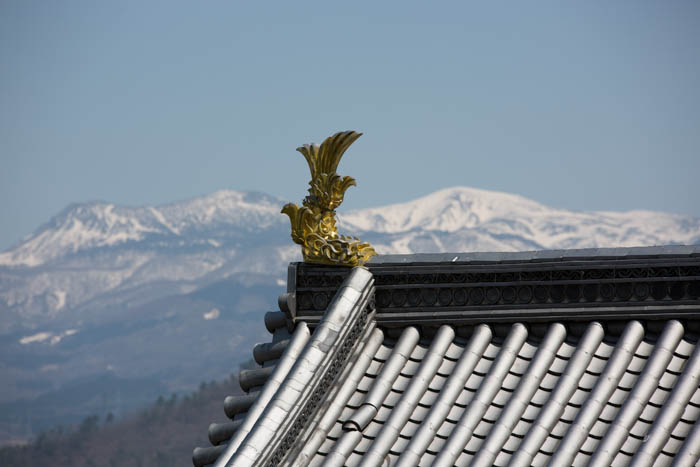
(313,224)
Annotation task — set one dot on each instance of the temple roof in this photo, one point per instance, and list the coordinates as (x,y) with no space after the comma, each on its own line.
(573,357)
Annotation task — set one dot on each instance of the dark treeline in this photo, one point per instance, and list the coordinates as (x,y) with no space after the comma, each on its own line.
(162,435)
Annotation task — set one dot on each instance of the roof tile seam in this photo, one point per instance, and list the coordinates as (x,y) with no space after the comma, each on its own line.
(674,406)
(401,413)
(464,430)
(454,385)
(642,392)
(604,387)
(376,395)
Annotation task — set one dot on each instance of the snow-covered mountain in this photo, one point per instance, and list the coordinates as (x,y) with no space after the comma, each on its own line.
(82,227)
(468,219)
(167,296)
(92,249)
(493,220)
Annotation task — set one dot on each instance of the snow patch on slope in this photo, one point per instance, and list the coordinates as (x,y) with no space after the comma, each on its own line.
(48,337)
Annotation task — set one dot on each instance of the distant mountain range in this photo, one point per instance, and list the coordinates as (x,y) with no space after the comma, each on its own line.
(170,295)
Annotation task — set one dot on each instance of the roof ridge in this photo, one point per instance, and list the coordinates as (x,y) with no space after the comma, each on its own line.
(297,396)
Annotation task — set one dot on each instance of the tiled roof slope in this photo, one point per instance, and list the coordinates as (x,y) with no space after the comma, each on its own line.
(506,391)
(519,395)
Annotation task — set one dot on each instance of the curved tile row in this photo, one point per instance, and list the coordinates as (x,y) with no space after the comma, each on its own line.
(564,396)
(250,380)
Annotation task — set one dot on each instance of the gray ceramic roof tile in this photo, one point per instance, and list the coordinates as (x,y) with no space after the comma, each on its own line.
(446,367)
(659,397)
(682,428)
(429,398)
(648,414)
(631,444)
(549,381)
(453,415)
(484,426)
(410,428)
(475,379)
(520,364)
(336,431)
(356,399)
(501,397)
(540,397)
(366,383)
(685,348)
(436,444)
(559,430)
(454,352)
(374,367)
(695,400)
(426,460)
(627,381)
(639,430)
(673,445)
(530,412)
(409,368)
(419,413)
(366,441)
(384,351)
(691,412)
(523,425)
(418,352)
(474,444)
(326,446)
(618,396)
(550,443)
(604,351)
(560,362)
(662,460)
(589,379)
(668,380)
(354,459)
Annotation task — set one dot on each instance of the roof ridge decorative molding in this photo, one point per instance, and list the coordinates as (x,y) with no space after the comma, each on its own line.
(428,293)
(314,224)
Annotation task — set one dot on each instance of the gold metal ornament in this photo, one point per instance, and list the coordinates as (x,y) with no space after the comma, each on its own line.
(313,224)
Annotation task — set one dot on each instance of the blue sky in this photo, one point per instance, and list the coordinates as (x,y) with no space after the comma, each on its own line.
(579,105)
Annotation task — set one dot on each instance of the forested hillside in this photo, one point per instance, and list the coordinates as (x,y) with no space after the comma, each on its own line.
(162,435)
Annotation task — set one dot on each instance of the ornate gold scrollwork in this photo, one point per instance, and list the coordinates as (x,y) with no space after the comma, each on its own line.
(313,224)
